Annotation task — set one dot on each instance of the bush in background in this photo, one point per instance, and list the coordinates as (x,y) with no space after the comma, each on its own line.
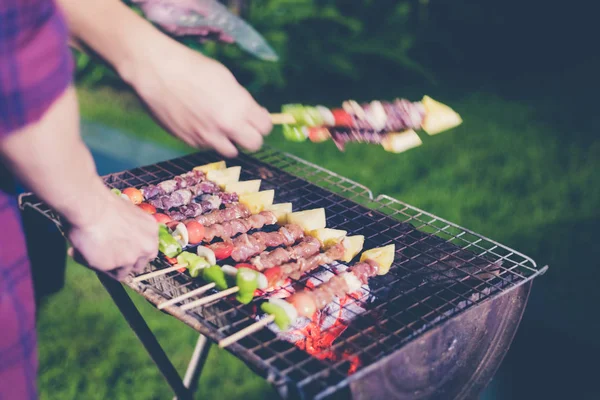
(317,40)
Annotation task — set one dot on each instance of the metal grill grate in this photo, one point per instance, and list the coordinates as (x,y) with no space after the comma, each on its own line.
(440,270)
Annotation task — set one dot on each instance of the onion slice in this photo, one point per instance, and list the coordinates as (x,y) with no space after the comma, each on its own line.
(289,309)
(262,281)
(180,233)
(207,253)
(229,270)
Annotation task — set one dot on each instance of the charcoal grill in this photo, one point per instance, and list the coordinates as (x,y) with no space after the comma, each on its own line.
(439,324)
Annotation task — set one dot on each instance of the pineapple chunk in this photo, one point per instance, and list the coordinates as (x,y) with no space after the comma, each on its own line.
(352,246)
(257,202)
(309,220)
(438,117)
(281,211)
(224,176)
(243,187)
(211,167)
(328,237)
(383,256)
(400,142)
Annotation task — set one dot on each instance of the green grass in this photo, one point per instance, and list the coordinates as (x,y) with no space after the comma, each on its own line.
(89,352)
(510,172)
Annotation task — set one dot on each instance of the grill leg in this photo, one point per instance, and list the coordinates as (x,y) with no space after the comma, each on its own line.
(143,332)
(196,364)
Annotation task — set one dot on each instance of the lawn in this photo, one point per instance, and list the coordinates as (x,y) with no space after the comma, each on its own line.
(511,172)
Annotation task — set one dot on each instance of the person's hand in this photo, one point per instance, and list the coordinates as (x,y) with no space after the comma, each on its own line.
(197,99)
(119,239)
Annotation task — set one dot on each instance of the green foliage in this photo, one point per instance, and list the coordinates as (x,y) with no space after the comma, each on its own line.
(315,39)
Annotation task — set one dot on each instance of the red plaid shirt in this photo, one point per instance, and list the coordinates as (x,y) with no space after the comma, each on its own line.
(35,68)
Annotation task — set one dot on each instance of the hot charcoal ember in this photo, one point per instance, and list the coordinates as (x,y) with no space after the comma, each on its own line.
(203,204)
(231,212)
(246,246)
(231,228)
(317,335)
(183,181)
(306,248)
(185,196)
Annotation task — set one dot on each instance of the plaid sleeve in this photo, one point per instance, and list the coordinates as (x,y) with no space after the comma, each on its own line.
(35,61)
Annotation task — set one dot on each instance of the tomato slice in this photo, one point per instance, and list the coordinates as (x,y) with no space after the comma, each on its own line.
(342,118)
(246,265)
(273,275)
(149,208)
(222,250)
(134,195)
(195,231)
(162,218)
(318,134)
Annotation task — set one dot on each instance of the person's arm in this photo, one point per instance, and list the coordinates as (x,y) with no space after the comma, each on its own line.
(193,96)
(51,159)
(41,145)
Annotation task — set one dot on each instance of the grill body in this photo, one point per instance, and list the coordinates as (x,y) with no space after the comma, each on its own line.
(436,326)
(455,360)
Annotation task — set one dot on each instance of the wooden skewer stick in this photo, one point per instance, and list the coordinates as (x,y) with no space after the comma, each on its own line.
(187,295)
(209,299)
(246,331)
(278,119)
(157,273)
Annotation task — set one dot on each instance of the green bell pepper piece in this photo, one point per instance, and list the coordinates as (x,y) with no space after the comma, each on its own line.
(116,191)
(304,115)
(216,275)
(167,243)
(296,110)
(313,117)
(247,281)
(200,265)
(281,318)
(293,133)
(193,263)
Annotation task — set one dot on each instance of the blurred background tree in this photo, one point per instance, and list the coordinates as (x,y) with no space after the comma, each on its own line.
(319,42)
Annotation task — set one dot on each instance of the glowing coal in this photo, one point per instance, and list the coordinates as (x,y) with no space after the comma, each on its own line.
(317,335)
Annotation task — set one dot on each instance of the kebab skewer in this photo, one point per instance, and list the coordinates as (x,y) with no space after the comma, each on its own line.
(176,236)
(182,189)
(391,124)
(194,232)
(308,227)
(302,258)
(307,247)
(185,180)
(305,303)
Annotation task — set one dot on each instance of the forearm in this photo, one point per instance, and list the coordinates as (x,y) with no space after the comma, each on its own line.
(52,160)
(112,30)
